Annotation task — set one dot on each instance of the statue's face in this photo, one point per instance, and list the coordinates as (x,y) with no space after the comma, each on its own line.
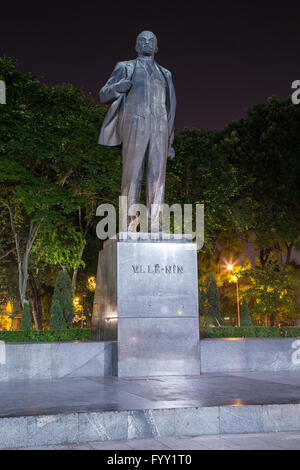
(146,43)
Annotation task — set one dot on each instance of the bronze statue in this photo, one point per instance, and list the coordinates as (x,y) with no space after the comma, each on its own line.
(142,102)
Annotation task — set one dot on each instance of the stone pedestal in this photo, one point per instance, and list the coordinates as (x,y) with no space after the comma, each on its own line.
(147,299)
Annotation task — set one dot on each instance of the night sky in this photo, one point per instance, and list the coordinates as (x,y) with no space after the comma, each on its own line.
(224,56)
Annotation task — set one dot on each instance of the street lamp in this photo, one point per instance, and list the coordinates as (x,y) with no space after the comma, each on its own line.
(235,278)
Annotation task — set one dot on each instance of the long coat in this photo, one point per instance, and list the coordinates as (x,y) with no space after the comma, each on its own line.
(111,130)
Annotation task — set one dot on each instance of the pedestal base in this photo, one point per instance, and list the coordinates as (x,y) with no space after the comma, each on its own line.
(147,299)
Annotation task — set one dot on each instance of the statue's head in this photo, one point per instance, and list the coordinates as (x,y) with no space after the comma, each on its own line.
(146,43)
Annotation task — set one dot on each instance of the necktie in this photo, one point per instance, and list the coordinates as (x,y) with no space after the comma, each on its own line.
(149,67)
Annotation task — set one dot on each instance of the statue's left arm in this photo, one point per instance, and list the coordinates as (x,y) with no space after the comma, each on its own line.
(171,115)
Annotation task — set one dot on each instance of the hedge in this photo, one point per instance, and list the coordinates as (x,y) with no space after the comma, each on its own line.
(32,336)
(84,334)
(250,332)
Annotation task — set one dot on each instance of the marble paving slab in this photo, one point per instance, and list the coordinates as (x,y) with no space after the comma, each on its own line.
(74,410)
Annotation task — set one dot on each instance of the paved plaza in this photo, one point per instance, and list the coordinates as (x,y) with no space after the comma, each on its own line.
(206,411)
(26,398)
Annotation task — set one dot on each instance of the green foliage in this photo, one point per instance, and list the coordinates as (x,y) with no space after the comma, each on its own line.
(264,147)
(250,332)
(57,319)
(53,175)
(62,303)
(32,336)
(26,318)
(273,291)
(203,173)
(60,247)
(245,315)
(243,332)
(205,320)
(209,302)
(213,298)
(202,301)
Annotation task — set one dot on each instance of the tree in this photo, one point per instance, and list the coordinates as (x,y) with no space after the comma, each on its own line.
(26,318)
(264,147)
(57,319)
(52,171)
(245,315)
(213,299)
(92,173)
(63,300)
(29,190)
(209,302)
(202,301)
(273,293)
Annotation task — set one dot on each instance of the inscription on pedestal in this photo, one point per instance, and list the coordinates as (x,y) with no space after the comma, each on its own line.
(157,269)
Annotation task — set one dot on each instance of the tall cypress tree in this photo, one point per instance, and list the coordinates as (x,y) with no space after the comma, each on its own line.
(57,319)
(213,299)
(26,317)
(245,315)
(202,299)
(62,311)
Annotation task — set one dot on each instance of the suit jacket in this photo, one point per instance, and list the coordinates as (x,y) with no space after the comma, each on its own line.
(111,130)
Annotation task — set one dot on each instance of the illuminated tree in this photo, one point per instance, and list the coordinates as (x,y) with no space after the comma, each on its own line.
(245,315)
(62,302)
(57,319)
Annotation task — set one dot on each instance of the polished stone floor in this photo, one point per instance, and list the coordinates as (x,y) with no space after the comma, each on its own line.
(116,394)
(254,441)
(70,411)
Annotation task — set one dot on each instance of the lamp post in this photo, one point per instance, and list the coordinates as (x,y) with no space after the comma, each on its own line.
(235,278)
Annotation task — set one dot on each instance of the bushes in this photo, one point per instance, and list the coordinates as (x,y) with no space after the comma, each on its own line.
(250,332)
(31,336)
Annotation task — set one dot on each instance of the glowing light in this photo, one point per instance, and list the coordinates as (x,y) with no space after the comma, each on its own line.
(229,264)
(237,402)
(91,283)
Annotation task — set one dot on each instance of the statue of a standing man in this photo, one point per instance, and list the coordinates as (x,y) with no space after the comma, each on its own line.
(141,113)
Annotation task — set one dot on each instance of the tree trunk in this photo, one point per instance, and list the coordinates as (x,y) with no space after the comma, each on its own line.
(23,260)
(289,248)
(33,308)
(84,234)
(264,255)
(75,272)
(36,303)
(88,319)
